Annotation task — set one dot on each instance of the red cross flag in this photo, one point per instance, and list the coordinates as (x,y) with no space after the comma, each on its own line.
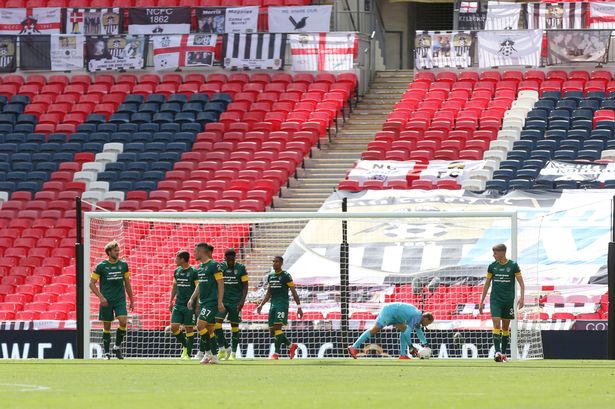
(30,21)
(323,52)
(184,50)
(468,7)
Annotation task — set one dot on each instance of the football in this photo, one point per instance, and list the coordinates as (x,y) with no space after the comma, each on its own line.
(425,353)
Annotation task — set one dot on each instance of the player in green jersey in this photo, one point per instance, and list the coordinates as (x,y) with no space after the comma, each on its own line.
(235,292)
(114,277)
(210,293)
(185,280)
(279,282)
(502,273)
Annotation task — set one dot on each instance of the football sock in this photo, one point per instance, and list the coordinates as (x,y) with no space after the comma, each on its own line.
(106,341)
(119,335)
(505,341)
(279,335)
(276,342)
(497,340)
(212,343)
(203,340)
(189,341)
(222,342)
(180,337)
(234,338)
(364,337)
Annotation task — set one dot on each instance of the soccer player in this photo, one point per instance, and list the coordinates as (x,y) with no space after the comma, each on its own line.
(502,272)
(278,284)
(235,292)
(406,318)
(185,280)
(114,277)
(210,293)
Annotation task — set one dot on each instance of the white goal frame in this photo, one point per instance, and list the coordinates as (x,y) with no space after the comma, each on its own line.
(280,217)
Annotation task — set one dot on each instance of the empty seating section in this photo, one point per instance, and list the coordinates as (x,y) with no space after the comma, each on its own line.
(148,143)
(515,121)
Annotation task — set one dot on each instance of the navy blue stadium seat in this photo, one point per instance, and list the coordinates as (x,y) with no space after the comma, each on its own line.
(95,147)
(177,147)
(56,137)
(517,154)
(591,104)
(566,104)
(140,137)
(122,185)
(548,144)
(163,166)
(162,117)
(566,184)
(582,114)
(156,98)
(574,96)
(155,147)
(207,117)
(25,128)
(15,137)
(529,174)
(155,175)
(114,166)
(179,98)
(536,124)
(46,157)
(149,127)
(497,184)
(556,134)
(169,127)
(559,124)
(107,127)
(16,176)
(29,186)
(544,104)
(581,124)
(129,108)
(185,117)
(141,117)
(13,109)
(226,98)
(22,166)
(126,156)
(96,119)
(524,145)
(46,166)
(8,147)
(541,154)
(597,144)
(6,128)
(579,134)
(195,107)
(134,98)
(130,175)
(187,137)
(149,107)
(37,176)
(80,137)
(172,107)
(215,106)
(169,156)
(121,137)
(108,175)
(148,156)
(146,185)
(62,156)
(7,186)
(553,95)
(4,167)
(570,144)
(595,95)
(134,147)
(519,184)
(202,98)
(50,147)
(72,147)
(8,118)
(589,154)
(119,118)
(608,104)
(21,157)
(32,147)
(130,127)
(193,127)
(605,125)
(162,137)
(20,99)
(137,166)
(503,174)
(86,127)
(604,134)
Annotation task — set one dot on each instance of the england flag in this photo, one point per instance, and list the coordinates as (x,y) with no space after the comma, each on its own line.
(502,48)
(323,51)
(601,15)
(502,16)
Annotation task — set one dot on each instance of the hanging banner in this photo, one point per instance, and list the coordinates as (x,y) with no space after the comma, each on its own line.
(556,16)
(254,51)
(210,20)
(31,21)
(300,19)
(437,49)
(66,52)
(175,51)
(241,20)
(116,53)
(472,15)
(34,53)
(384,170)
(323,52)
(501,48)
(601,15)
(556,170)
(450,170)
(578,46)
(502,16)
(8,53)
(159,20)
(94,21)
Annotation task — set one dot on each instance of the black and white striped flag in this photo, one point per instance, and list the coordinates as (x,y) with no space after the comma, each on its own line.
(556,16)
(502,16)
(8,47)
(501,48)
(254,51)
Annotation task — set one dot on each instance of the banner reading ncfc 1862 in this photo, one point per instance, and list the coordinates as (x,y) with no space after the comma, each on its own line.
(509,47)
(564,47)
(436,49)
(159,20)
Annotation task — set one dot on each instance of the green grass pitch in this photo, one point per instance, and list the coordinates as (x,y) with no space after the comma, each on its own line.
(284,384)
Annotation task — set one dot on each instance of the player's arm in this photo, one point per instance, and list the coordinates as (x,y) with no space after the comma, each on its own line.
(293,291)
(129,290)
(244,291)
(194,296)
(265,300)
(94,288)
(481,306)
(521,301)
(173,293)
(220,281)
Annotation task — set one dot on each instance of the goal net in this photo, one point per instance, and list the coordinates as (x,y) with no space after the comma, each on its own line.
(346,268)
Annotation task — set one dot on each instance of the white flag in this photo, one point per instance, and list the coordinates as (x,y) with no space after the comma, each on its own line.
(601,15)
(301,19)
(66,52)
(30,21)
(556,16)
(502,16)
(241,20)
(508,47)
(323,52)
(174,51)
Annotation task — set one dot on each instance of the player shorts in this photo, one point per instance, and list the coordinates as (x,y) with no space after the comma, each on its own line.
(503,309)
(231,312)
(182,315)
(208,313)
(113,310)
(386,316)
(277,315)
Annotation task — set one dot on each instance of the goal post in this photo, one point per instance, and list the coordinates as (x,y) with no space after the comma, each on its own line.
(392,257)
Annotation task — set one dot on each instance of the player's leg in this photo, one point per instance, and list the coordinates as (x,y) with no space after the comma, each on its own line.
(384,318)
(120,334)
(404,343)
(177,319)
(220,337)
(505,336)
(497,331)
(201,327)
(234,340)
(280,321)
(105,315)
(189,338)
(210,318)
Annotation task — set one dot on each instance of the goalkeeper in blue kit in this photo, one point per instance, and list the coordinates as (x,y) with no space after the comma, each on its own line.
(407,319)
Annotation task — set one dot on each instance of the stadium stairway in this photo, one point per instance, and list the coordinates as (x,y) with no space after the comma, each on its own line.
(323,172)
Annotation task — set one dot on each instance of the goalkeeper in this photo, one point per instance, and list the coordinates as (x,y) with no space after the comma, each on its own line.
(407,319)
